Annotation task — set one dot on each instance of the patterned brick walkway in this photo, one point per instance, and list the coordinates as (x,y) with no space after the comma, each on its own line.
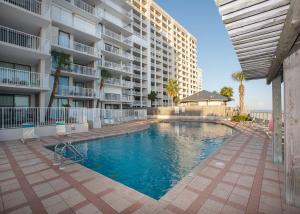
(238,178)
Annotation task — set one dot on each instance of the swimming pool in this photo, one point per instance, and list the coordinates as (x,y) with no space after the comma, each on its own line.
(154,160)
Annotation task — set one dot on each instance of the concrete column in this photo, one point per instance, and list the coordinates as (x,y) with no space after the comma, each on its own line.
(277,121)
(291,74)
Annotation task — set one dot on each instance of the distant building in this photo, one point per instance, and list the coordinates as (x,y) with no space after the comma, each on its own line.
(205,98)
(200,78)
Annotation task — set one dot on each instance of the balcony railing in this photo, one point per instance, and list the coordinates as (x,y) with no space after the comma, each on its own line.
(113,81)
(14,77)
(66,43)
(19,38)
(127,84)
(127,98)
(117,51)
(84,6)
(80,69)
(112,97)
(85,49)
(74,91)
(30,5)
(116,66)
(116,36)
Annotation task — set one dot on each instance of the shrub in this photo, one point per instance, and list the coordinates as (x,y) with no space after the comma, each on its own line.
(239,118)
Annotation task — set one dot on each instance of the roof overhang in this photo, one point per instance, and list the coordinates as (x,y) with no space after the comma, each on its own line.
(262,32)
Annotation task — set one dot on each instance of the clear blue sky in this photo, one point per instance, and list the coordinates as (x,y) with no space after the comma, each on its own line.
(216,55)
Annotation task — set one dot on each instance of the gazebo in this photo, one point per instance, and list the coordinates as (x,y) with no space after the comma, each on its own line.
(205,98)
(265,35)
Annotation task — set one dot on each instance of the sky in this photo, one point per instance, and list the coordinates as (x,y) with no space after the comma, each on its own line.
(216,55)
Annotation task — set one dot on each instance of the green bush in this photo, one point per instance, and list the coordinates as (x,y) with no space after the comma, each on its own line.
(239,118)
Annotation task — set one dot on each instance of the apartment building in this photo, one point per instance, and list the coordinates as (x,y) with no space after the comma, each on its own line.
(136,42)
(200,75)
(95,35)
(163,50)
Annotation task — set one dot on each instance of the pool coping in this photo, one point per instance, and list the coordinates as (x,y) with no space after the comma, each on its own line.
(172,193)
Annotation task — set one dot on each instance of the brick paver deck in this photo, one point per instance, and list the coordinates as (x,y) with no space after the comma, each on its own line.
(238,178)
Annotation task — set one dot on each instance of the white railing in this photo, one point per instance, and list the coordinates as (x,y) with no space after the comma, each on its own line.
(19,38)
(112,97)
(263,116)
(117,51)
(22,117)
(127,84)
(127,98)
(82,70)
(30,5)
(14,77)
(84,6)
(111,116)
(86,49)
(113,81)
(116,66)
(25,117)
(74,91)
(112,34)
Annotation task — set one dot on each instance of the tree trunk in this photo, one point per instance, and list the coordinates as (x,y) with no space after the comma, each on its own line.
(242,91)
(55,87)
(100,89)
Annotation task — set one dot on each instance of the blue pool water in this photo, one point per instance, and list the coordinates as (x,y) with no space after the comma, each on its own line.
(154,160)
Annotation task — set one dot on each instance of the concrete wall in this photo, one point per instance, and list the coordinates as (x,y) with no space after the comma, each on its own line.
(203,111)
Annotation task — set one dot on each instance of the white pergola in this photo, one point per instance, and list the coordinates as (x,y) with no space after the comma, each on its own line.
(266,37)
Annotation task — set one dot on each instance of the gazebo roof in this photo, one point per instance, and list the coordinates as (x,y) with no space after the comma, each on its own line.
(205,96)
(262,33)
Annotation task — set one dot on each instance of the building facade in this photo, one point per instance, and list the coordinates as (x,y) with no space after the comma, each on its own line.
(163,50)
(200,73)
(137,43)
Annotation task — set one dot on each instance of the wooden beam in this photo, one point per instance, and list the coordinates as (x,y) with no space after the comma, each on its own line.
(258,38)
(277,121)
(258,18)
(291,67)
(257,33)
(260,47)
(288,37)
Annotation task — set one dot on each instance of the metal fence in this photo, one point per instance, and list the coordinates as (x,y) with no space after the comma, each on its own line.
(20,117)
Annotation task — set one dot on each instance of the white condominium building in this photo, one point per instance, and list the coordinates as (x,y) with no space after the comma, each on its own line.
(137,43)
(163,50)
(96,35)
(200,73)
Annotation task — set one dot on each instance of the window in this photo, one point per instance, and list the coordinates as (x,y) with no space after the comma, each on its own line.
(60,102)
(78,103)
(63,83)
(64,39)
(14,101)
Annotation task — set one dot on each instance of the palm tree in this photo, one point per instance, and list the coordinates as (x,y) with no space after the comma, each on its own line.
(172,89)
(176,99)
(240,77)
(105,74)
(152,96)
(226,91)
(62,60)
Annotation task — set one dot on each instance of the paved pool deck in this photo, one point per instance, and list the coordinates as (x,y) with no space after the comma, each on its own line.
(238,178)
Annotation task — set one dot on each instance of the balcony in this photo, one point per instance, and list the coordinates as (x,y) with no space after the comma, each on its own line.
(121,40)
(31,13)
(116,52)
(19,38)
(113,81)
(116,67)
(77,49)
(83,71)
(23,79)
(78,92)
(127,98)
(127,84)
(112,97)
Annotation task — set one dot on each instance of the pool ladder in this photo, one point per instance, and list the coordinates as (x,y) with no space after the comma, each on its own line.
(59,158)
